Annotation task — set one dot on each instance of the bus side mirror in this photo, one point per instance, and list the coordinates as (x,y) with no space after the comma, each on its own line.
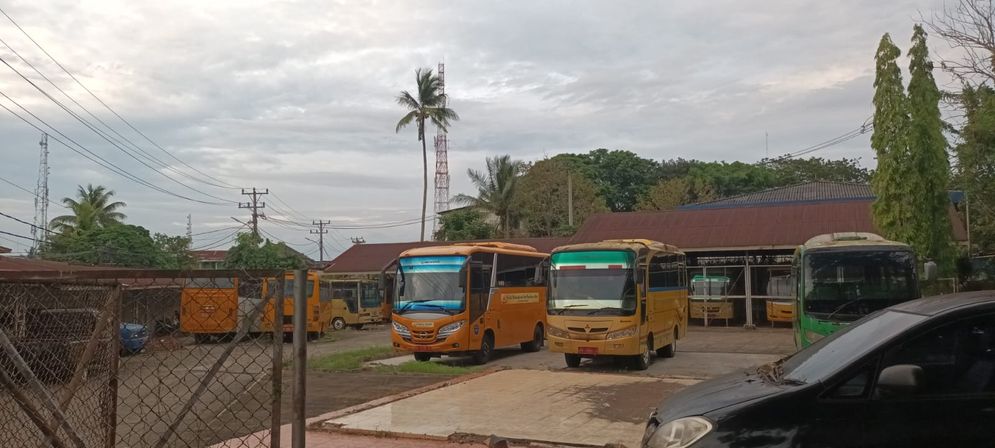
(929,271)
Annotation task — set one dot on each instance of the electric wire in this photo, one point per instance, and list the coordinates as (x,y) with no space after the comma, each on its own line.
(25,222)
(104,136)
(108,107)
(90,155)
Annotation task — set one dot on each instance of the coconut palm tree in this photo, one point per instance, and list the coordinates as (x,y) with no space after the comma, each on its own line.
(92,208)
(496,190)
(429,105)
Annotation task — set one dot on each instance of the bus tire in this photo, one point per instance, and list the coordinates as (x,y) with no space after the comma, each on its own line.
(670,350)
(486,349)
(338,324)
(573,360)
(642,361)
(422,356)
(537,340)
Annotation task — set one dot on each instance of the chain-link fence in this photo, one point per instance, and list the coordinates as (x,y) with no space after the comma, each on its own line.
(141,358)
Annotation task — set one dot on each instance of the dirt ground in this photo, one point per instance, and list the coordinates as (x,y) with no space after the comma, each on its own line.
(328,392)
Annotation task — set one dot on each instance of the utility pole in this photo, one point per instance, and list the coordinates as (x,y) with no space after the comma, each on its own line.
(189,227)
(255,206)
(321,231)
(570,199)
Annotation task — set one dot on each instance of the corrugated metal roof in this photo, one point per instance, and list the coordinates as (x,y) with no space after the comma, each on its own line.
(739,227)
(18,264)
(810,192)
(372,257)
(800,193)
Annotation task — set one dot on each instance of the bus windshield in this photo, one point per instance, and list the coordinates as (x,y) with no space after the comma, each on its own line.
(592,283)
(288,288)
(846,285)
(430,284)
(370,295)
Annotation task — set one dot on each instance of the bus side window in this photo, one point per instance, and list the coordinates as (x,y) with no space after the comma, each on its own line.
(325,292)
(516,271)
(665,273)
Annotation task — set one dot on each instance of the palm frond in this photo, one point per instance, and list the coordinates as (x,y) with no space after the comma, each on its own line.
(405,99)
(406,120)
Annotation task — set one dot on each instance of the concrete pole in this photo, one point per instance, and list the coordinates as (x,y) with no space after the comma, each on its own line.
(749,293)
(300,358)
(277,331)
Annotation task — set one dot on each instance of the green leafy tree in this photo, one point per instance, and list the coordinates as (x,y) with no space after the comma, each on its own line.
(542,197)
(428,106)
(93,207)
(730,179)
(622,177)
(672,193)
(929,167)
(464,224)
(975,170)
(891,123)
(114,245)
(173,252)
(496,190)
(796,171)
(252,252)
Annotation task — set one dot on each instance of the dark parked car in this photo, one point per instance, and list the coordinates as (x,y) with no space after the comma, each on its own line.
(919,373)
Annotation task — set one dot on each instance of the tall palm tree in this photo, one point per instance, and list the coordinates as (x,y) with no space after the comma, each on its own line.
(92,208)
(496,190)
(430,105)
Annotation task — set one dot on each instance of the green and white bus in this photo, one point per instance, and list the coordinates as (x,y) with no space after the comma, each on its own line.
(842,277)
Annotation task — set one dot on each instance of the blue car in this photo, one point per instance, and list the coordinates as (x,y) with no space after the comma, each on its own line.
(133,338)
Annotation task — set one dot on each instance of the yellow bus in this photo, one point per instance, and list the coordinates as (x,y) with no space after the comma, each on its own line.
(468,299)
(319,308)
(354,303)
(617,298)
(213,308)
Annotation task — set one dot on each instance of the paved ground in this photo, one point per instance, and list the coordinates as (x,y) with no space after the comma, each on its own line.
(554,407)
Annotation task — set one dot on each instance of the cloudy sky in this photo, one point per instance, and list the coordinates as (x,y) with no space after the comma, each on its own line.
(297,96)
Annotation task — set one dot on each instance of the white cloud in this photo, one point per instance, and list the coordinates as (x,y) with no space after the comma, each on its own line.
(298,96)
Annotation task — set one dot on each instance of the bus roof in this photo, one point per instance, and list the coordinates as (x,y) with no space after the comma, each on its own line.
(471,248)
(627,244)
(850,239)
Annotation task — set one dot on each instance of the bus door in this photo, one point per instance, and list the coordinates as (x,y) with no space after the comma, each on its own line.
(478,294)
(369,303)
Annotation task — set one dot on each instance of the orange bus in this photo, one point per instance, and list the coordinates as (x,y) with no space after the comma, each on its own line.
(468,299)
(209,308)
(319,307)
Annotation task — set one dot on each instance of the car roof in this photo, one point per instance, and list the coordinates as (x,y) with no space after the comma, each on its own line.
(932,306)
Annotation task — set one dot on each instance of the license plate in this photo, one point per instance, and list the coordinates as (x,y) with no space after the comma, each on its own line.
(288,328)
(587,350)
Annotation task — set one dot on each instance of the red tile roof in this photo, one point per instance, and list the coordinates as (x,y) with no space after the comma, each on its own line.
(4,250)
(209,255)
(372,257)
(739,227)
(19,264)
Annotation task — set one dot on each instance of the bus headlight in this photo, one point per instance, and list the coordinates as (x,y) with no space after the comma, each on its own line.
(679,433)
(451,328)
(624,333)
(556,332)
(401,330)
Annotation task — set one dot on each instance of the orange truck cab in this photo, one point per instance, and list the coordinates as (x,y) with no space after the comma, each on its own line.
(468,299)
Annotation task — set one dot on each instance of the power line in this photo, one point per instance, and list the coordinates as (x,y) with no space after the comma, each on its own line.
(320,231)
(25,223)
(216,230)
(108,107)
(19,187)
(255,206)
(104,136)
(17,236)
(90,155)
(99,120)
(864,128)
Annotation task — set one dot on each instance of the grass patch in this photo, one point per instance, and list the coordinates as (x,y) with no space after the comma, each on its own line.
(350,360)
(432,368)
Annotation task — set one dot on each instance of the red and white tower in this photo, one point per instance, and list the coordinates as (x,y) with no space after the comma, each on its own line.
(441,162)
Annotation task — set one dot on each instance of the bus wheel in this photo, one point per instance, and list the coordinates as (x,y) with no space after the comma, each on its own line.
(422,356)
(338,324)
(572,359)
(486,349)
(536,343)
(670,350)
(642,361)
